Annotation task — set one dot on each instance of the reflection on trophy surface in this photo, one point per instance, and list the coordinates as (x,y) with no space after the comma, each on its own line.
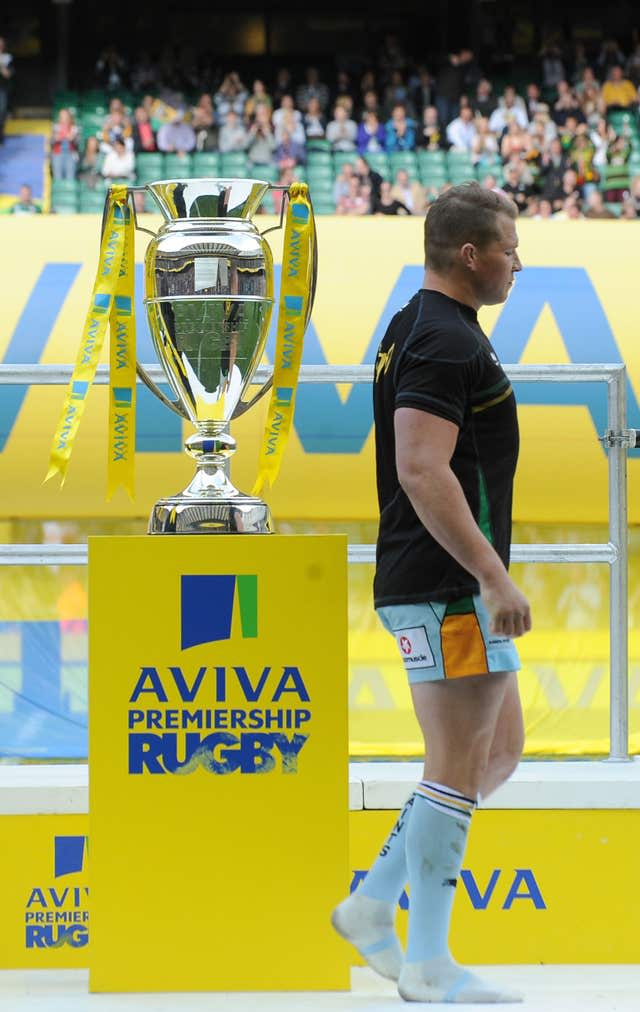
(209,296)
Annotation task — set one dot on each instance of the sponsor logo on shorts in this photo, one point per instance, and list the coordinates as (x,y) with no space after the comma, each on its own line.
(414,648)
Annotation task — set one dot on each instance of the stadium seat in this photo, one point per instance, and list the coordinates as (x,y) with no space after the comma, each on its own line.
(378,161)
(324,205)
(406,160)
(206,163)
(92,201)
(319,173)
(149,166)
(319,158)
(234,164)
(64,203)
(341,158)
(177,166)
(431,158)
(433,175)
(64,186)
(270,173)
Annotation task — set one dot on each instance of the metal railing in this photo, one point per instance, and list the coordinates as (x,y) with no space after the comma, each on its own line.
(617,439)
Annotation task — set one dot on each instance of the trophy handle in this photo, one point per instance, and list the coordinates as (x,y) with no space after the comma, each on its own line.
(243,406)
(175,406)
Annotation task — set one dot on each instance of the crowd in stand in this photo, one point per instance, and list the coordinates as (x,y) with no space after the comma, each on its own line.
(565,146)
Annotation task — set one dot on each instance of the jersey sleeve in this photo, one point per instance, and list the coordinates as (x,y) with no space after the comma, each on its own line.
(439,387)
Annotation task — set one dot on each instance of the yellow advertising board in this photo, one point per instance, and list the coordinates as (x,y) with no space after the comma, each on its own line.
(575,301)
(536,887)
(218,754)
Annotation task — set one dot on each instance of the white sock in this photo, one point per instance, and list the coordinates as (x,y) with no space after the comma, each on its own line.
(369,925)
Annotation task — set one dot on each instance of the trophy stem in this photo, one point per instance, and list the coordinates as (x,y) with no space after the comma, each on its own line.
(210,503)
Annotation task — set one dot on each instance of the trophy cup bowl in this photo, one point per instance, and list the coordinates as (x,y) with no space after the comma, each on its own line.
(209,296)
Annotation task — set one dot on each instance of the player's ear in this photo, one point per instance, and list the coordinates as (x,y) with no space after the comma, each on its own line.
(468,256)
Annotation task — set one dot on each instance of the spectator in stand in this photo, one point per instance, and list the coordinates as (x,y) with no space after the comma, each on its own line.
(542,122)
(231,94)
(287,177)
(590,105)
(582,153)
(314,122)
(628,212)
(601,138)
(554,165)
(566,104)
(144,139)
(371,134)
(283,85)
(288,118)
(571,210)
(343,88)
(449,87)
(203,122)
(545,210)
(342,182)
(144,74)
(119,162)
(356,201)
(111,69)
(485,143)
(6,74)
(553,69)
(618,92)
(515,143)
(462,131)
(176,137)
(409,193)
(259,96)
(367,83)
(484,102)
(262,140)
(632,67)
(588,79)
(617,171)
(570,188)
(342,132)
(370,103)
(233,136)
(291,122)
(289,153)
(400,131)
(117,125)
(387,203)
(367,176)
(421,90)
(507,111)
(397,93)
(64,146)
(610,55)
(634,192)
(90,165)
(515,186)
(596,207)
(312,88)
(25,204)
(533,102)
(432,134)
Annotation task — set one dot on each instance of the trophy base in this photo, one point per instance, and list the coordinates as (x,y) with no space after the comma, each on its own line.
(183,515)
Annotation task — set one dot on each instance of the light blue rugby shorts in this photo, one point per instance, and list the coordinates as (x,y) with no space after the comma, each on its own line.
(440,640)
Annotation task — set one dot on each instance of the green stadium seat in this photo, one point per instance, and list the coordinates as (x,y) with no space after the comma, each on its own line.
(316,144)
(177,166)
(431,158)
(66,203)
(406,160)
(267,204)
(234,164)
(319,158)
(63,186)
(206,164)
(378,161)
(433,175)
(341,158)
(149,167)
(270,173)
(90,124)
(92,201)
(319,173)
(324,206)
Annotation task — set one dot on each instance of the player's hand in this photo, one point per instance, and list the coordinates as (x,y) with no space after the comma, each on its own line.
(509,611)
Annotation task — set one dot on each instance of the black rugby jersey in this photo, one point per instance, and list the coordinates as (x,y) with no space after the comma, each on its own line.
(435,357)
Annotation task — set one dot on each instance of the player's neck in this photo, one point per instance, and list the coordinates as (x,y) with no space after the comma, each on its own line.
(455,288)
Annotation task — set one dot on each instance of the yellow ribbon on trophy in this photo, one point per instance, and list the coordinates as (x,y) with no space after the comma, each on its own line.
(112,302)
(298,267)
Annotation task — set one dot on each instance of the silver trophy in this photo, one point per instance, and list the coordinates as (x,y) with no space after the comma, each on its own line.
(209,296)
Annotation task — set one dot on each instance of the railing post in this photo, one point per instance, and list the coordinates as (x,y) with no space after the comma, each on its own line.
(618,573)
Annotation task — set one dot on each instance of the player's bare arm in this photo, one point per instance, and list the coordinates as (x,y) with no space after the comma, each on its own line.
(424,447)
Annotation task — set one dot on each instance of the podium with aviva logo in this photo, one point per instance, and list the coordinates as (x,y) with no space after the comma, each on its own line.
(218,761)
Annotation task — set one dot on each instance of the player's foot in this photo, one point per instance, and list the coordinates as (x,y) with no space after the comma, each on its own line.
(442,980)
(369,925)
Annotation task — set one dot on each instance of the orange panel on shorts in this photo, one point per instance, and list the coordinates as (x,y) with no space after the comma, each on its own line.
(463,650)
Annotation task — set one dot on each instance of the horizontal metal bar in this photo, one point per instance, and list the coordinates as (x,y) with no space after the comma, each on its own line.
(76,555)
(59,375)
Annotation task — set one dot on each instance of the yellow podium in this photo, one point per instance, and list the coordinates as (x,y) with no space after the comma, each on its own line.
(218,757)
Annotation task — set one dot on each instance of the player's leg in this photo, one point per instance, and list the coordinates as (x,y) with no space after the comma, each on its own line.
(458,719)
(508,741)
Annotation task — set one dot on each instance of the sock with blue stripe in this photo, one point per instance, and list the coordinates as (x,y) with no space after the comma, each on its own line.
(435,843)
(366,918)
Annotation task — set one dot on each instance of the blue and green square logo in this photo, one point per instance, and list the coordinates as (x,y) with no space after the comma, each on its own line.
(207,606)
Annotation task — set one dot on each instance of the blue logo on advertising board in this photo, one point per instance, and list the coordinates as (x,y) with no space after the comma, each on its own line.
(58,915)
